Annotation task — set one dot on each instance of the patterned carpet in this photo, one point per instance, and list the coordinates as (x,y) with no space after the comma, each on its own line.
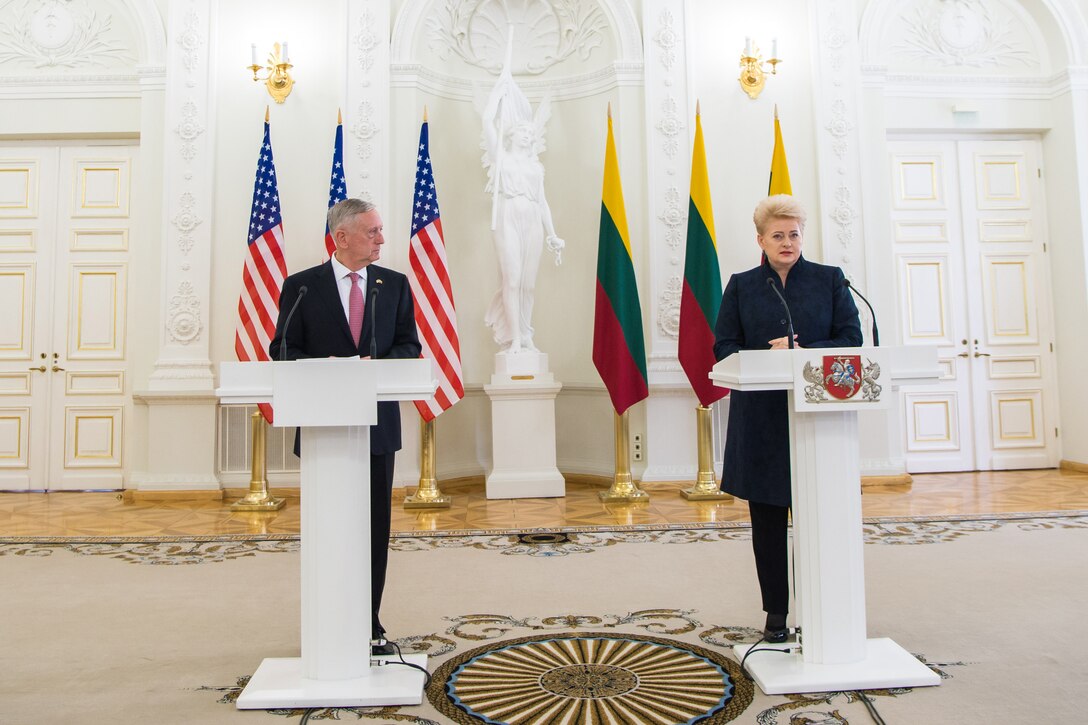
(174,550)
(630,625)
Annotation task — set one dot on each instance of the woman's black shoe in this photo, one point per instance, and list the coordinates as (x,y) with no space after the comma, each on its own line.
(775,631)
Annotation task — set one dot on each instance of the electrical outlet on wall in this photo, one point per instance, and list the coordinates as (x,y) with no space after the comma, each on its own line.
(636,447)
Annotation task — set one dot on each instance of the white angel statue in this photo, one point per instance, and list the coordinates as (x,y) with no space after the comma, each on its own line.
(521,220)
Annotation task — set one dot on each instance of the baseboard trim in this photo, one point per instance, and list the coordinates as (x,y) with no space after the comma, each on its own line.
(133,495)
(1073,466)
(901,481)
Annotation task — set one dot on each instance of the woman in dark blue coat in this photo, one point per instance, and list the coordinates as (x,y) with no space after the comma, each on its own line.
(751,317)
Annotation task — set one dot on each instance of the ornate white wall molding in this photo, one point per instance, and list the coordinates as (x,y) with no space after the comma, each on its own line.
(545,33)
(78,48)
(592,83)
(51,34)
(837,84)
(183,315)
(460,25)
(188,186)
(366,108)
(959,36)
(962,33)
(667,152)
(668,307)
(674,216)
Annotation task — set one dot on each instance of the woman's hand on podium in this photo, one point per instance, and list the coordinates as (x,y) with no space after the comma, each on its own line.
(783,343)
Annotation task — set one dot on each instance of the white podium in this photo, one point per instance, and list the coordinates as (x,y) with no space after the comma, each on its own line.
(827,387)
(334,401)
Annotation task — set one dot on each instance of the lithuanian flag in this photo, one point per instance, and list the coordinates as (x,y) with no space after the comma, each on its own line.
(619,353)
(702,292)
(780,173)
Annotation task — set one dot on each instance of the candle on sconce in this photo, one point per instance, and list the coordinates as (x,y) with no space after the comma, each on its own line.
(774,47)
(253,53)
(748,45)
(285,57)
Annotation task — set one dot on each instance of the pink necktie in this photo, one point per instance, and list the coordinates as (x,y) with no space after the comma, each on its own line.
(355,308)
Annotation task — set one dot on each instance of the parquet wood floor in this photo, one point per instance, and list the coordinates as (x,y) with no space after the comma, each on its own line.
(108,514)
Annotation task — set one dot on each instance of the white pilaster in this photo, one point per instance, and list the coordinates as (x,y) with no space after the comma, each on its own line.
(367,137)
(183,362)
(671,446)
(178,395)
(844,230)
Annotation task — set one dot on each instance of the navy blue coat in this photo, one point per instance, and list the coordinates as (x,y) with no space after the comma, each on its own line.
(757,454)
(320,329)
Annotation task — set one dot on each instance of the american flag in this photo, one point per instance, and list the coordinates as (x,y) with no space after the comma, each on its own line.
(265,269)
(436,318)
(338,188)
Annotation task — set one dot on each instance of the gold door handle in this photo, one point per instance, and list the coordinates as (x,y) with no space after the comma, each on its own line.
(982,354)
(964,354)
(57,370)
(40,369)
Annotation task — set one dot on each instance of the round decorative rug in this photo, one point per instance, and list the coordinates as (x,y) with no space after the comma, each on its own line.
(589,677)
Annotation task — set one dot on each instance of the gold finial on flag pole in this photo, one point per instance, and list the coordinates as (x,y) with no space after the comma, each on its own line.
(697,107)
(339,117)
(266,114)
(424,113)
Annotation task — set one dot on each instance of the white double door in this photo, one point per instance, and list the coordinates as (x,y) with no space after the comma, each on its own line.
(65,222)
(970,245)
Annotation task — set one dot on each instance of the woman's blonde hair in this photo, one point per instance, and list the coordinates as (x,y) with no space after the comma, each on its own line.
(779,206)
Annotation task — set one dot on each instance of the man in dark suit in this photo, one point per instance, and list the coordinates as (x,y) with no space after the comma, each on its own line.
(334,322)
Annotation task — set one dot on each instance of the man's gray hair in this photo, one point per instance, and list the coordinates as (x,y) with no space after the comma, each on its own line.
(341,212)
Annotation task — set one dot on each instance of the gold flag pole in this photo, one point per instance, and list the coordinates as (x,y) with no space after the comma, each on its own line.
(427,495)
(258,498)
(706,483)
(624,489)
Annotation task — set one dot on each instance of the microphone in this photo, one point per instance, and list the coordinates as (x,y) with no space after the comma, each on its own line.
(852,288)
(374,319)
(283,343)
(789,318)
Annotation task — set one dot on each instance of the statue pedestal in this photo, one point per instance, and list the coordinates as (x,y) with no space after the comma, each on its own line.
(522,393)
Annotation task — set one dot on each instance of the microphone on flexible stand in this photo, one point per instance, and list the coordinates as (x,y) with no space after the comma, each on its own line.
(374,320)
(287,324)
(852,288)
(789,317)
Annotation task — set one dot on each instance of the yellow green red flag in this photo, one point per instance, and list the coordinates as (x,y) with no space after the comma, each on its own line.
(702,293)
(619,352)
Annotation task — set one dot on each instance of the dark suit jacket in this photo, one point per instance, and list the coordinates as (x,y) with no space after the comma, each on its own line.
(757,453)
(319,328)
